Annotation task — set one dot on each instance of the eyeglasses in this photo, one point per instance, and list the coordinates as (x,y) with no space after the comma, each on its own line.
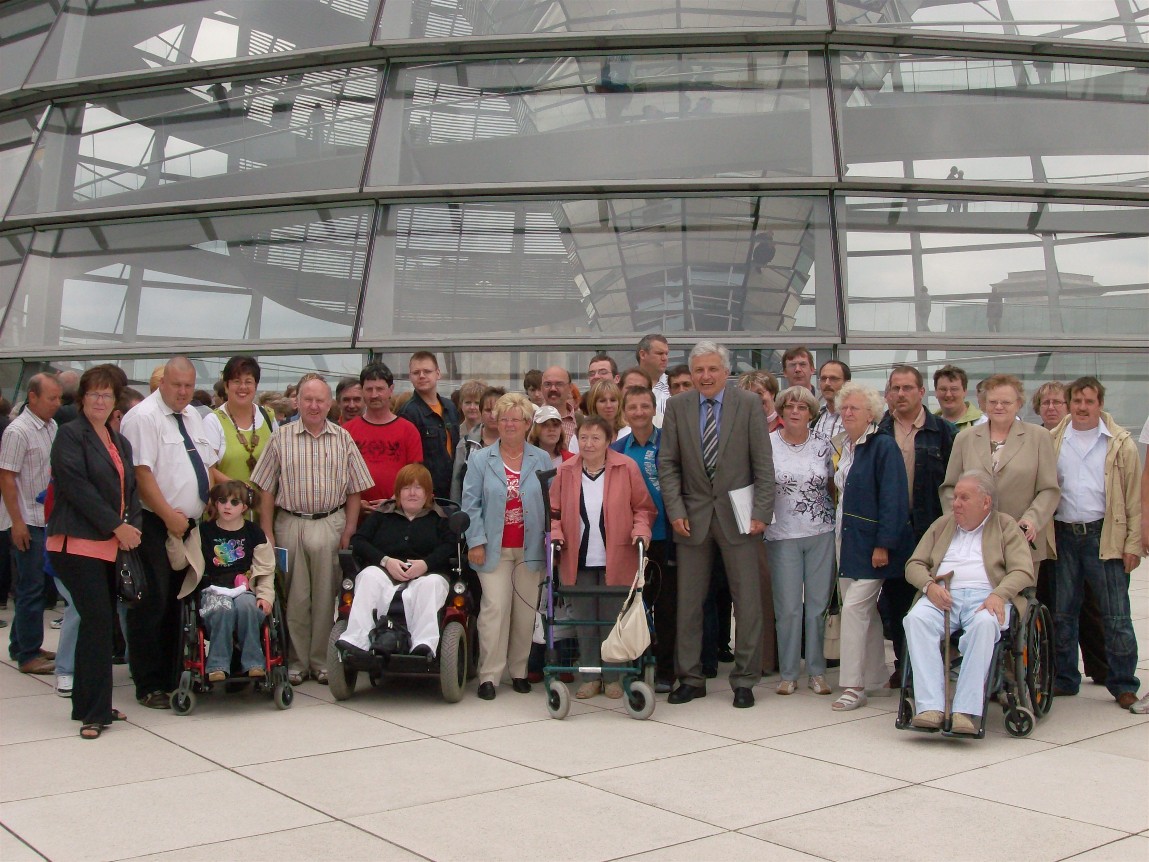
(508,420)
(1053,403)
(100,396)
(230,501)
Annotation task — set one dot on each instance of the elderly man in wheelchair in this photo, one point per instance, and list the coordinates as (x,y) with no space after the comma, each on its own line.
(983,555)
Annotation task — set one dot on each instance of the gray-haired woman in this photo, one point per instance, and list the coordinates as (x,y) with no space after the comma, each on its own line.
(800,542)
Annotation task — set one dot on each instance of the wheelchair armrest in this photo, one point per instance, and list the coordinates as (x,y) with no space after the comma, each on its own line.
(348,564)
(1029,593)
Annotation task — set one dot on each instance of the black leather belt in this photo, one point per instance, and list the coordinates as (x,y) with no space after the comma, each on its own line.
(1082,529)
(314,516)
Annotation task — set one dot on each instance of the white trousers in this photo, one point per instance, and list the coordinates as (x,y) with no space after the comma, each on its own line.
(422,599)
(980,631)
(863,662)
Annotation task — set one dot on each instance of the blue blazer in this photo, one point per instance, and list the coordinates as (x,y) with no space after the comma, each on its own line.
(876,511)
(485,501)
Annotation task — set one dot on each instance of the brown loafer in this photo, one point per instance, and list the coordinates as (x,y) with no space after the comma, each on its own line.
(1124,700)
(45,666)
(47,653)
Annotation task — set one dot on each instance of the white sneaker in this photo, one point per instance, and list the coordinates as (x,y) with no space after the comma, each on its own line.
(64,685)
(1142,706)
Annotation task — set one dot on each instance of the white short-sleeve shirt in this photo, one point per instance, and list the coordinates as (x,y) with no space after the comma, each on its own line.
(157,444)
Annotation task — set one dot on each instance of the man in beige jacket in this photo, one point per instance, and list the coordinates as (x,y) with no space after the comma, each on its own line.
(987,555)
(1098,529)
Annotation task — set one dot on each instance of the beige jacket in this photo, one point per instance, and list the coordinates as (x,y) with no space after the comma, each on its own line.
(188,555)
(1026,477)
(1121,532)
(1008,564)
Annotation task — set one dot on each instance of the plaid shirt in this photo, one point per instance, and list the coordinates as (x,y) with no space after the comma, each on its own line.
(26,451)
(311,474)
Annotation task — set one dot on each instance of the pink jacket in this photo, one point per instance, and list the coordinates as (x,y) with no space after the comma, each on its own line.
(628,513)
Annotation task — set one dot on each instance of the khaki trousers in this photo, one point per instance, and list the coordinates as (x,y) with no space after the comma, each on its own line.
(310,585)
(507,616)
(863,649)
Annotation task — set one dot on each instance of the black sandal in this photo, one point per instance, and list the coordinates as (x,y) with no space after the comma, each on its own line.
(116,716)
(91,731)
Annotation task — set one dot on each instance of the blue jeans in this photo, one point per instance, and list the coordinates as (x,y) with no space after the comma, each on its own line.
(69,630)
(242,619)
(1079,560)
(28,598)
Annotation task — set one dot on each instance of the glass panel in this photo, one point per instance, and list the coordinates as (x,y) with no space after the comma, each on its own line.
(445,19)
(297,132)
(524,268)
(980,119)
(1124,375)
(639,116)
(24,26)
(258,277)
(102,37)
(13,248)
(1101,20)
(17,136)
(276,371)
(995,267)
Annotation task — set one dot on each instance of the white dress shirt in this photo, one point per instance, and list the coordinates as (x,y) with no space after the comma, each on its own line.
(156,441)
(1081,474)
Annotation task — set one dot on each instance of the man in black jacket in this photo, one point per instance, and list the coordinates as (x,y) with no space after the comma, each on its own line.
(436,419)
(926,441)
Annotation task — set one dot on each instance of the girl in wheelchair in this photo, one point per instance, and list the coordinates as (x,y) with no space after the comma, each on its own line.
(236,579)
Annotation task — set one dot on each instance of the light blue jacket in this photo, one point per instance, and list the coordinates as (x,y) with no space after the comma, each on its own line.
(485,501)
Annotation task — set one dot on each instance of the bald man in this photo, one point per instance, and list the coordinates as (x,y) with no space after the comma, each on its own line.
(172,457)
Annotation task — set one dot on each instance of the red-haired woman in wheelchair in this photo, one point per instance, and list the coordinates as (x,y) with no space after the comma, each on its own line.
(405,541)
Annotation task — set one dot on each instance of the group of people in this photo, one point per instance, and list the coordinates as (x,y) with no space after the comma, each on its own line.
(772,505)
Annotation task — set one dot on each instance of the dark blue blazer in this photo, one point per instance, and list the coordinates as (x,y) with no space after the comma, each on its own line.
(876,511)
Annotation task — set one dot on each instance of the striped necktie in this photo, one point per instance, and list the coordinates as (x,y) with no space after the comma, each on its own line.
(710,439)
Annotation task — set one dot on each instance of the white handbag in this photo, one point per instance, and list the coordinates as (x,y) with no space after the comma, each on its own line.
(630,636)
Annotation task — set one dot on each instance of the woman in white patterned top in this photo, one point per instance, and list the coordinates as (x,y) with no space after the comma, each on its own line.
(800,542)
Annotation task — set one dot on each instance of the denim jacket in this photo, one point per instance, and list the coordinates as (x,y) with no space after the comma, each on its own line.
(932,447)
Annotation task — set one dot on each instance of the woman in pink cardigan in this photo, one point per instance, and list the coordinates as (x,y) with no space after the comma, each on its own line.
(601,509)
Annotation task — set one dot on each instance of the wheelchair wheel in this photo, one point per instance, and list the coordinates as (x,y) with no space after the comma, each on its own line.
(340,675)
(282,695)
(640,702)
(1039,662)
(1019,722)
(558,700)
(453,661)
(183,702)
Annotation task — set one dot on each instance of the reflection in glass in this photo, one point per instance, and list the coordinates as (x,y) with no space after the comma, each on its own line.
(13,248)
(292,132)
(259,277)
(972,118)
(103,37)
(1124,375)
(445,19)
(1098,20)
(995,267)
(622,116)
(18,133)
(24,26)
(524,268)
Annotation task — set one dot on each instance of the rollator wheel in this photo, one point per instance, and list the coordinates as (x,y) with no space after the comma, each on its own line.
(182,702)
(340,675)
(453,661)
(640,703)
(1019,722)
(558,700)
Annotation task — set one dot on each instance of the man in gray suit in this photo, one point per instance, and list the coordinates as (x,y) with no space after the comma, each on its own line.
(714,441)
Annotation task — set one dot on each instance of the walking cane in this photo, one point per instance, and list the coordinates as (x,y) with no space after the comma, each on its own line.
(943,581)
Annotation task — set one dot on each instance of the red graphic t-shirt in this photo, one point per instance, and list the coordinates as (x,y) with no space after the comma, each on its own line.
(514,532)
(386,449)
